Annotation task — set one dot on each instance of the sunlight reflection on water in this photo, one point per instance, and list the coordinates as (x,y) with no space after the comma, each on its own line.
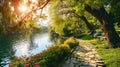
(21,48)
(25,48)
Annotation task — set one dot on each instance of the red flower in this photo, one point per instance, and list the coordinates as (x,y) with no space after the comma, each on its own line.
(27,65)
(27,59)
(36,66)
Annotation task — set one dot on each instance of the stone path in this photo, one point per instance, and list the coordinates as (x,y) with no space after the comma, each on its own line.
(84,56)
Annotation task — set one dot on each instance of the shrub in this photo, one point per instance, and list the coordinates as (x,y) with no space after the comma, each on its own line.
(72,42)
(54,55)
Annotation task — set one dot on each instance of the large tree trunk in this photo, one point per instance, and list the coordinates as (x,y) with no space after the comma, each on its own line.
(112,36)
(107,25)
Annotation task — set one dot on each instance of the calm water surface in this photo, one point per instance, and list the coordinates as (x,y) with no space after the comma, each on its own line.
(22,45)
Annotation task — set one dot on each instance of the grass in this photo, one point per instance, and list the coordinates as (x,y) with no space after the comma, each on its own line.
(111,56)
(83,36)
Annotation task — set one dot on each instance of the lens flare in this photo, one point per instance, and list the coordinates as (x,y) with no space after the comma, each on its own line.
(22,8)
(34,1)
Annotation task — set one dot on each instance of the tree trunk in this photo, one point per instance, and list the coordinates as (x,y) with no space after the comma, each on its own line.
(89,26)
(107,25)
(110,33)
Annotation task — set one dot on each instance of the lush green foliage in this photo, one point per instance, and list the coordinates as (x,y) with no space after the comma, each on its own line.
(65,22)
(115,4)
(51,57)
(62,21)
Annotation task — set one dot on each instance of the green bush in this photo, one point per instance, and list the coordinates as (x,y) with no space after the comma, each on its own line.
(72,42)
(54,55)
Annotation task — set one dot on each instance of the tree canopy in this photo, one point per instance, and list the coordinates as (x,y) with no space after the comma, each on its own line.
(104,11)
(17,13)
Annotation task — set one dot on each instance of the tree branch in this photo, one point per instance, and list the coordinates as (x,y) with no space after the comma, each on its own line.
(89,26)
(94,12)
(40,7)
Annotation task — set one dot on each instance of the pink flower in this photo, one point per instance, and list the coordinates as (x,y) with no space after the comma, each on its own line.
(27,65)
(36,66)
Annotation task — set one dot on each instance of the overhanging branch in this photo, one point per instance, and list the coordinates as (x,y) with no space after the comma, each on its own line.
(40,7)
(94,12)
(83,18)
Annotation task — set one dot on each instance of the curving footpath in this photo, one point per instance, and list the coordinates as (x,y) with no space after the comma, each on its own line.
(84,56)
